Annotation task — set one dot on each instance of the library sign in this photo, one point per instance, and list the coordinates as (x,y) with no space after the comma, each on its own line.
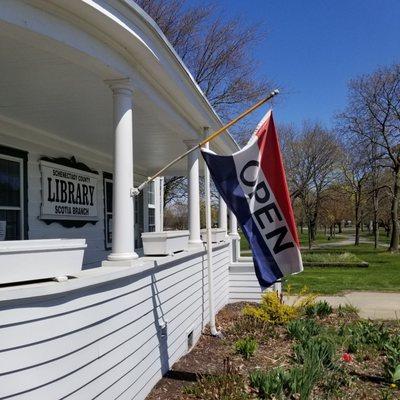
(68,193)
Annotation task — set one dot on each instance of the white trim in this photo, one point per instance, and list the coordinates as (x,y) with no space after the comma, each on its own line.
(21,190)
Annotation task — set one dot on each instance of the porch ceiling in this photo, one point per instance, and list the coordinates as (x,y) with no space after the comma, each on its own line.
(51,94)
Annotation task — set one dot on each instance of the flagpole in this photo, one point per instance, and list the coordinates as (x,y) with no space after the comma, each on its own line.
(137,190)
(210,271)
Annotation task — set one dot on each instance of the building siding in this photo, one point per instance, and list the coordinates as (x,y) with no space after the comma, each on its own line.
(104,341)
(243,283)
(96,251)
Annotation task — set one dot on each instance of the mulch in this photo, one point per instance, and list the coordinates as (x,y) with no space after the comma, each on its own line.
(275,349)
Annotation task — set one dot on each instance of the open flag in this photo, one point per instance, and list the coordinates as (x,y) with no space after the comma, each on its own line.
(253,184)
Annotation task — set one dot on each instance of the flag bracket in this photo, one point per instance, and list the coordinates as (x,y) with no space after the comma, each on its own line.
(134,192)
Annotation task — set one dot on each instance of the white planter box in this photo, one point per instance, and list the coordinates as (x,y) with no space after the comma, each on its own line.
(164,243)
(217,235)
(26,260)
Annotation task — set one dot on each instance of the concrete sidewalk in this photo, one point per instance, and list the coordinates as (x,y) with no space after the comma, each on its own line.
(373,305)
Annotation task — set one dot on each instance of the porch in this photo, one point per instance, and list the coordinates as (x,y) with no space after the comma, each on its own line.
(93,94)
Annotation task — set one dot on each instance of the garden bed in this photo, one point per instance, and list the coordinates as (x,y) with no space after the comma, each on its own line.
(270,359)
(332,259)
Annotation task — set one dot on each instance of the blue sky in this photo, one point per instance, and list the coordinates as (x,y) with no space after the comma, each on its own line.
(314,47)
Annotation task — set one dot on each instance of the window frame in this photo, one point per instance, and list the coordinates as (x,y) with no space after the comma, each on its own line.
(151,189)
(21,157)
(107,178)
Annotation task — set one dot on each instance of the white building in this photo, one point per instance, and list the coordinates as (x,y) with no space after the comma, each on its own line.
(93,100)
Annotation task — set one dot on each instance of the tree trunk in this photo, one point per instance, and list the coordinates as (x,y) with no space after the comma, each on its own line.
(309,234)
(375,222)
(340,227)
(361,221)
(357,215)
(394,240)
(313,229)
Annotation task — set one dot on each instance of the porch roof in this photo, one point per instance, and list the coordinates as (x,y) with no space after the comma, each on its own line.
(54,59)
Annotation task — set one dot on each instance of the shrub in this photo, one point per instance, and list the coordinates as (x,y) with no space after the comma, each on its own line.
(271,310)
(320,309)
(303,329)
(274,311)
(246,347)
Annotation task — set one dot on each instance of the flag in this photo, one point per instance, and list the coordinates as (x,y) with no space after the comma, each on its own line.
(252,183)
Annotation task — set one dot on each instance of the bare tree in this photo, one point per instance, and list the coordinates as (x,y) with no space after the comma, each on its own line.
(373,117)
(336,206)
(311,161)
(219,51)
(356,170)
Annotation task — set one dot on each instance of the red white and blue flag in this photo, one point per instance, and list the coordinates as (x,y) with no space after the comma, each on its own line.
(253,184)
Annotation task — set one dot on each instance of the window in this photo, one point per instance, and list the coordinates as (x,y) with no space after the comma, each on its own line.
(152,219)
(108,204)
(139,220)
(151,196)
(151,207)
(12,195)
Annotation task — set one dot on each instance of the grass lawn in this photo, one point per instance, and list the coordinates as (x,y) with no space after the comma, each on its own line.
(303,237)
(383,273)
(321,238)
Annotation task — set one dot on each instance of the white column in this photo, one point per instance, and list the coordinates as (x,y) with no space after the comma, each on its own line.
(233,233)
(223,215)
(194,194)
(210,266)
(123,202)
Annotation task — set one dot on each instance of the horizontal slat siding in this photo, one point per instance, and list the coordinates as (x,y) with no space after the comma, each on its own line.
(243,283)
(104,341)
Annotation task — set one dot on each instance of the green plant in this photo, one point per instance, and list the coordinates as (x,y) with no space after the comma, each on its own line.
(318,351)
(386,394)
(392,363)
(268,383)
(296,382)
(334,381)
(246,347)
(364,333)
(229,385)
(347,310)
(303,329)
(320,309)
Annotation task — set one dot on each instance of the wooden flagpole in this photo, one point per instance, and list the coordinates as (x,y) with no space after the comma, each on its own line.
(137,190)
